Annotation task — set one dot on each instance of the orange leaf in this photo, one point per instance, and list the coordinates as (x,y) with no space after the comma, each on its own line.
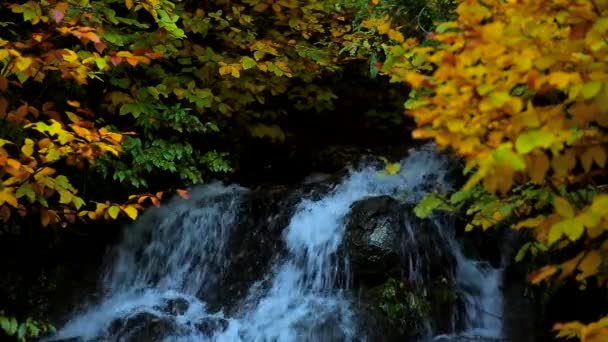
(589,266)
(542,274)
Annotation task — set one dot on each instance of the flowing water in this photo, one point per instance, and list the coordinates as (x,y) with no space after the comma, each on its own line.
(177,252)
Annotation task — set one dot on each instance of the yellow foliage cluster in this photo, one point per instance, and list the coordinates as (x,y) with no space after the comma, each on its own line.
(519,88)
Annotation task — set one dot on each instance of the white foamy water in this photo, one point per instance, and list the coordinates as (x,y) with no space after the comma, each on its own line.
(176,253)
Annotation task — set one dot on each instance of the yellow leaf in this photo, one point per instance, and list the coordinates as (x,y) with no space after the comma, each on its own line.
(69,55)
(572,228)
(22,63)
(569,329)
(396,35)
(65,196)
(556,232)
(130,211)
(393,168)
(73,103)
(45,171)
(129,4)
(531,222)
(7,196)
(559,79)
(589,266)
(563,207)
(235,72)
(28,148)
(415,79)
(224,70)
(113,211)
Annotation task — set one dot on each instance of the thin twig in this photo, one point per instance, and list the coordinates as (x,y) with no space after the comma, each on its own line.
(419,23)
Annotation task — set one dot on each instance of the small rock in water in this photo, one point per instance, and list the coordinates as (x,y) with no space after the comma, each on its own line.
(208,326)
(176,307)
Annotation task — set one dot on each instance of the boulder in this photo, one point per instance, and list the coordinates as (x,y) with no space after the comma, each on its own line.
(374,232)
(385,240)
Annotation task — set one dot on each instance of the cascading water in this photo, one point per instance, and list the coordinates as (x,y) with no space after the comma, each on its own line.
(176,253)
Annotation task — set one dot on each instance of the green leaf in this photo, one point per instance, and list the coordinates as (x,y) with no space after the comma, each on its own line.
(248,62)
(529,140)
(522,252)
(428,204)
(114,38)
(259,55)
(505,154)
(130,108)
(26,190)
(12,329)
(373,69)
(5,323)
(460,196)
(591,89)
(113,211)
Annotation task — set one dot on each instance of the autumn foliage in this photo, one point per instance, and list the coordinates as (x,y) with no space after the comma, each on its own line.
(519,89)
(123,91)
(127,92)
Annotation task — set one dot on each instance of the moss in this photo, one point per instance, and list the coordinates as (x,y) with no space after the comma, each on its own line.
(411,306)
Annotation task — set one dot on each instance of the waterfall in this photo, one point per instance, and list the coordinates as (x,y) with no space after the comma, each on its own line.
(176,253)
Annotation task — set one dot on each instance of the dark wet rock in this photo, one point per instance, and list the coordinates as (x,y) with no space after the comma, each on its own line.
(211,325)
(254,242)
(373,324)
(384,239)
(141,327)
(175,307)
(374,231)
